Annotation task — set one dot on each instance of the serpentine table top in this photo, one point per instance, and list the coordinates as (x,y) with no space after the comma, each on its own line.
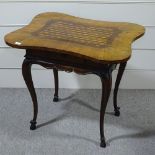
(98,40)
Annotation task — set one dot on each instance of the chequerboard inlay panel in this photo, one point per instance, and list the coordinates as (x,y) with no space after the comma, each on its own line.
(78,33)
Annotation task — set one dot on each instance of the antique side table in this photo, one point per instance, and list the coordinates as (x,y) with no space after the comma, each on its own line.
(63,42)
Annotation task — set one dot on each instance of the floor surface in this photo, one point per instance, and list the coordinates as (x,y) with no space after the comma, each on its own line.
(71,126)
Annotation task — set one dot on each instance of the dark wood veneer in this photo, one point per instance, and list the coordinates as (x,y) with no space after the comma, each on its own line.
(58,61)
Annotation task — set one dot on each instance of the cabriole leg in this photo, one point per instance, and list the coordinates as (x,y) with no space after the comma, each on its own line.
(56,81)
(26,71)
(106,88)
(119,77)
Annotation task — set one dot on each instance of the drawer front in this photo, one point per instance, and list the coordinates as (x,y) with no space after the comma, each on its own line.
(13,58)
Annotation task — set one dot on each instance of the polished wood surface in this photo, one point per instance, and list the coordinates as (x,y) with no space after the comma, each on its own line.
(99,40)
(63,42)
(117,83)
(57,62)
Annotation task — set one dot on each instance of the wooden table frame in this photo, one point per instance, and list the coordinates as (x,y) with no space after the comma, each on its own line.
(61,61)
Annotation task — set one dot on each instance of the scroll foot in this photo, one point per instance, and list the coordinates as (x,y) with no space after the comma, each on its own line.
(33,125)
(103,143)
(117,111)
(55,99)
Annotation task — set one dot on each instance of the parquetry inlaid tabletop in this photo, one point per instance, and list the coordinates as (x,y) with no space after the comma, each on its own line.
(100,40)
